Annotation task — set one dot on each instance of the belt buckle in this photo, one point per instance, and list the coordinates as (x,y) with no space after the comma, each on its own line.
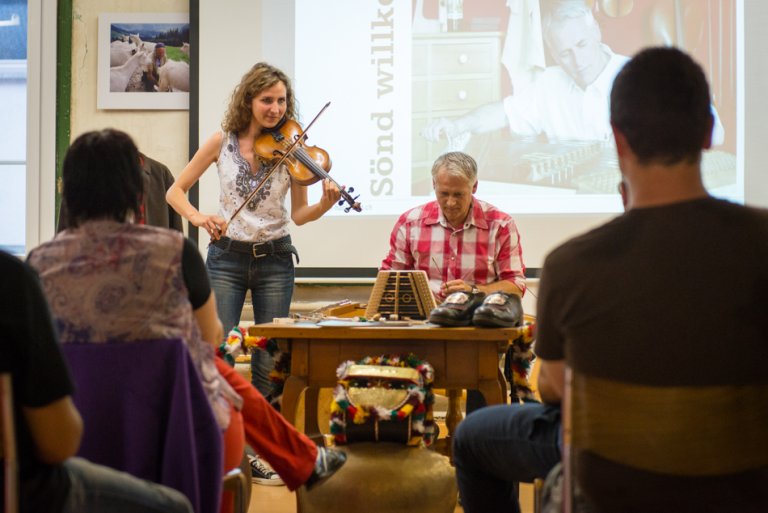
(253,250)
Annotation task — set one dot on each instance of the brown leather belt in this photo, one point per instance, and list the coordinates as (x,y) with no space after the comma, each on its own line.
(258,249)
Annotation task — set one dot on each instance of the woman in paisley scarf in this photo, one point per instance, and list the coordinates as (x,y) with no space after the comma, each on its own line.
(109,279)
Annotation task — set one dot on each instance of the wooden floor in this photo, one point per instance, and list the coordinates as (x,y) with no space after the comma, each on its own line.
(277,499)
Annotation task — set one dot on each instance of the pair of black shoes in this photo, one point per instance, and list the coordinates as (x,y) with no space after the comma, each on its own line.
(496,310)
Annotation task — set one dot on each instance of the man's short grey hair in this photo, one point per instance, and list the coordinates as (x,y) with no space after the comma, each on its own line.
(555,12)
(456,163)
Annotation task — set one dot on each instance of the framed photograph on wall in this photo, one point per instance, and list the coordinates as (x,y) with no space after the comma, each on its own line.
(143,61)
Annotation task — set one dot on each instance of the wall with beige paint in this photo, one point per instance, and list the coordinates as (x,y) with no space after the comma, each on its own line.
(161,134)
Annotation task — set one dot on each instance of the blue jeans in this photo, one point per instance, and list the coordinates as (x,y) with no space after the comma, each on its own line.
(98,488)
(498,446)
(270,279)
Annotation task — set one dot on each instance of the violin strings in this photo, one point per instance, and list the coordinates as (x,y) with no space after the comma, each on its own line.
(305,159)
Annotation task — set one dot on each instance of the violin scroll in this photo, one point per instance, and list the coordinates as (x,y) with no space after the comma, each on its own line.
(353,203)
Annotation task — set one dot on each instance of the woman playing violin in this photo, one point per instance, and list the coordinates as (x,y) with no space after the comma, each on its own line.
(253,250)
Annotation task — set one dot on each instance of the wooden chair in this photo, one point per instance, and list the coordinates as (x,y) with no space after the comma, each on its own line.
(674,434)
(238,482)
(8,447)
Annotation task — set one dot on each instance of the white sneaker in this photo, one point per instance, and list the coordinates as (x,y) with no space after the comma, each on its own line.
(262,473)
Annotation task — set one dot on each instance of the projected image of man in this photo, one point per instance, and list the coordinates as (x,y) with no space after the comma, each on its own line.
(568,101)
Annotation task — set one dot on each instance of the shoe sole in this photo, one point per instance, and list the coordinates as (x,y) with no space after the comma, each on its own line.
(267,482)
(451,323)
(492,322)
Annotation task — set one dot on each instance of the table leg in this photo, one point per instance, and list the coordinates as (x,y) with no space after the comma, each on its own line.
(453,416)
(503,385)
(292,390)
(311,428)
(452,419)
(491,390)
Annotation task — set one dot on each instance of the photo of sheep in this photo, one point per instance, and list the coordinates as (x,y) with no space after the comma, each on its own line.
(141,55)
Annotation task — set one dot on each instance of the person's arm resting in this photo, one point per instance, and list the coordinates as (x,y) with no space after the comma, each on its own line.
(500,286)
(200,295)
(551,383)
(209,323)
(56,429)
(486,118)
(509,263)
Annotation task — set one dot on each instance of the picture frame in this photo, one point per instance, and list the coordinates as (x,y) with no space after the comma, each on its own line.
(127,45)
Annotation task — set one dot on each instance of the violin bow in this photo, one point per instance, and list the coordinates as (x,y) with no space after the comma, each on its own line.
(284,156)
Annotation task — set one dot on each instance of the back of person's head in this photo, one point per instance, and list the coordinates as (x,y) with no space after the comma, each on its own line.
(456,163)
(260,77)
(660,102)
(102,177)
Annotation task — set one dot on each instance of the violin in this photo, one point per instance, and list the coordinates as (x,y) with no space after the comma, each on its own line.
(306,164)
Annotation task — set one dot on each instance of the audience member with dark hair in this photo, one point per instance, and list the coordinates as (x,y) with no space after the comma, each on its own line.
(639,302)
(109,279)
(154,210)
(48,426)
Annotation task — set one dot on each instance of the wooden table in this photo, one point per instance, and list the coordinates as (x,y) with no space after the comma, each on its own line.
(463,358)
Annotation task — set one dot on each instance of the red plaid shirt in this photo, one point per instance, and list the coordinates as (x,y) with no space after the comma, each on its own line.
(485,250)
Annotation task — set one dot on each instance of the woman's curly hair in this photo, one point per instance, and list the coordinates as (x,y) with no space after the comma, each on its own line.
(260,77)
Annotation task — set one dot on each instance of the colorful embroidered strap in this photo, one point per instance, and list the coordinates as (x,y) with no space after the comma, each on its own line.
(239,342)
(517,365)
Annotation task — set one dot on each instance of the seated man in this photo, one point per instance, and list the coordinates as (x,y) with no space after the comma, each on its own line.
(632,303)
(49,427)
(463,244)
